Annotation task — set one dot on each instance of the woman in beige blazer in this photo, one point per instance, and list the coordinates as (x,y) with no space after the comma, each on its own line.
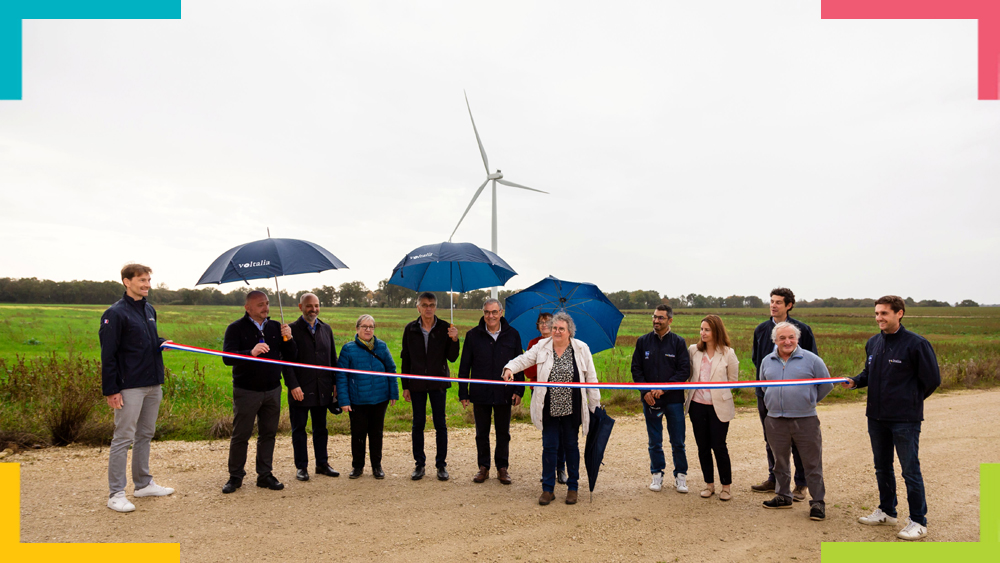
(710,410)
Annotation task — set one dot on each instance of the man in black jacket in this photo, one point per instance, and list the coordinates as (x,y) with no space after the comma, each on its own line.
(256,388)
(488,348)
(782,303)
(662,357)
(131,376)
(900,372)
(428,345)
(310,391)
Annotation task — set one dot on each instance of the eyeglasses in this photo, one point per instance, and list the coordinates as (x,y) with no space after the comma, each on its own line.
(659,318)
(492,313)
(367,327)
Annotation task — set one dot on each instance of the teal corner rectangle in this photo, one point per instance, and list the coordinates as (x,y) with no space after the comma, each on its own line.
(12,12)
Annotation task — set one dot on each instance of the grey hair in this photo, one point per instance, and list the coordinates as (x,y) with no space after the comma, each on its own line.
(302,298)
(492,300)
(564,317)
(784,324)
(364,318)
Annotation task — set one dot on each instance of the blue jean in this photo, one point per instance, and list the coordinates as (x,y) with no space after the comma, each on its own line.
(674,414)
(560,432)
(905,438)
(419,401)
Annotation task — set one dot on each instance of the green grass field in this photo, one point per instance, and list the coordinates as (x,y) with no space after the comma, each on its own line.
(967,342)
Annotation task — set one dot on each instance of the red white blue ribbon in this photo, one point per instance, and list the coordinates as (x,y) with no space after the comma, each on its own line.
(615,385)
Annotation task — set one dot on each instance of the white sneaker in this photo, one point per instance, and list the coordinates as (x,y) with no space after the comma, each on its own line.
(153,490)
(119,503)
(912,531)
(680,483)
(657,483)
(878,518)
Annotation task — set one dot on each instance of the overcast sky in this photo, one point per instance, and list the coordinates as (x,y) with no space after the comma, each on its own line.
(716,147)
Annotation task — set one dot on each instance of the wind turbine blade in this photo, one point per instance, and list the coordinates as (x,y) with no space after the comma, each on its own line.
(482,151)
(513,185)
(479,191)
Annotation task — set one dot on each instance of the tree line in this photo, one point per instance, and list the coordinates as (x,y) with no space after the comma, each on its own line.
(357,294)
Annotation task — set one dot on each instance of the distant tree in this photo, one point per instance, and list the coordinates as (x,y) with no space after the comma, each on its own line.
(352,294)
(327,295)
(733,302)
(753,302)
(967,303)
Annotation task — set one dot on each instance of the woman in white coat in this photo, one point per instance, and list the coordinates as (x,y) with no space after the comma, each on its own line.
(560,411)
(710,410)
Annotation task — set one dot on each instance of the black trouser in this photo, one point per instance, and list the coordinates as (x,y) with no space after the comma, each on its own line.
(419,400)
(500,415)
(367,422)
(710,435)
(800,472)
(298,417)
(265,407)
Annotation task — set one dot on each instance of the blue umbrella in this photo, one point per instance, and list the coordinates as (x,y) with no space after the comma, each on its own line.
(597,443)
(270,258)
(450,266)
(597,319)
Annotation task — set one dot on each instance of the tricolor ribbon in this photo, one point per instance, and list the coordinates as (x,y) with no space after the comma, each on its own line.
(615,385)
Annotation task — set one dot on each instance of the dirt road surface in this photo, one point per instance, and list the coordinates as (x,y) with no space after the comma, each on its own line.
(64,491)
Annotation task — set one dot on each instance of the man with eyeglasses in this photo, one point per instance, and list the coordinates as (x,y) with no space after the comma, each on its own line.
(488,348)
(256,388)
(428,345)
(661,356)
(782,303)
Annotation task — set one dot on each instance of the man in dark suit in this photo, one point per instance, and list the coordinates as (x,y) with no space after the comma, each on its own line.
(428,345)
(256,388)
(311,391)
(488,348)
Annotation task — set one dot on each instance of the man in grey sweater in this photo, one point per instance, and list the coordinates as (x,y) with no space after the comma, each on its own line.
(791,416)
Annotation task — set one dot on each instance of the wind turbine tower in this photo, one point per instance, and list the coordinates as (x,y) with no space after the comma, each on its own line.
(495,177)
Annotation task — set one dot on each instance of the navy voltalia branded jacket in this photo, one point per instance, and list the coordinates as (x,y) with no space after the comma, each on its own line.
(661,361)
(130,346)
(901,370)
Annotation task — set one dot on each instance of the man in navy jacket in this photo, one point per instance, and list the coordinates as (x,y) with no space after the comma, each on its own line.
(662,357)
(488,348)
(901,370)
(256,388)
(782,303)
(131,376)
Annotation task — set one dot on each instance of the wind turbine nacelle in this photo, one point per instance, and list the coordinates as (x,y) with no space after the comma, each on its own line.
(495,176)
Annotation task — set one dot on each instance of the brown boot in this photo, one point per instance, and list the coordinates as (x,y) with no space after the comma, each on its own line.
(546,498)
(484,473)
(502,475)
(571,497)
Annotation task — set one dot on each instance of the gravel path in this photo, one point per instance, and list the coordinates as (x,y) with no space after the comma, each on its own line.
(64,491)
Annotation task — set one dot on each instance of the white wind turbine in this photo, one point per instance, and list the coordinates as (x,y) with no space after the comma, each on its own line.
(495,178)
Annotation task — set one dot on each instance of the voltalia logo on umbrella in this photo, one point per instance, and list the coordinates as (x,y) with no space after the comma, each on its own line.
(254,264)
(12,12)
(419,256)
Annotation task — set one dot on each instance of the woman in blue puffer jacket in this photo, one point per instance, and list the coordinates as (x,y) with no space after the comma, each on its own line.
(365,397)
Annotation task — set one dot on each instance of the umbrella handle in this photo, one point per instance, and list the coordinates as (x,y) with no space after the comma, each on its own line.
(280,310)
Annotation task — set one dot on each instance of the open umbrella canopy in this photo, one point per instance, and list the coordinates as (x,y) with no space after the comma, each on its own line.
(450,266)
(597,319)
(269,258)
(598,435)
